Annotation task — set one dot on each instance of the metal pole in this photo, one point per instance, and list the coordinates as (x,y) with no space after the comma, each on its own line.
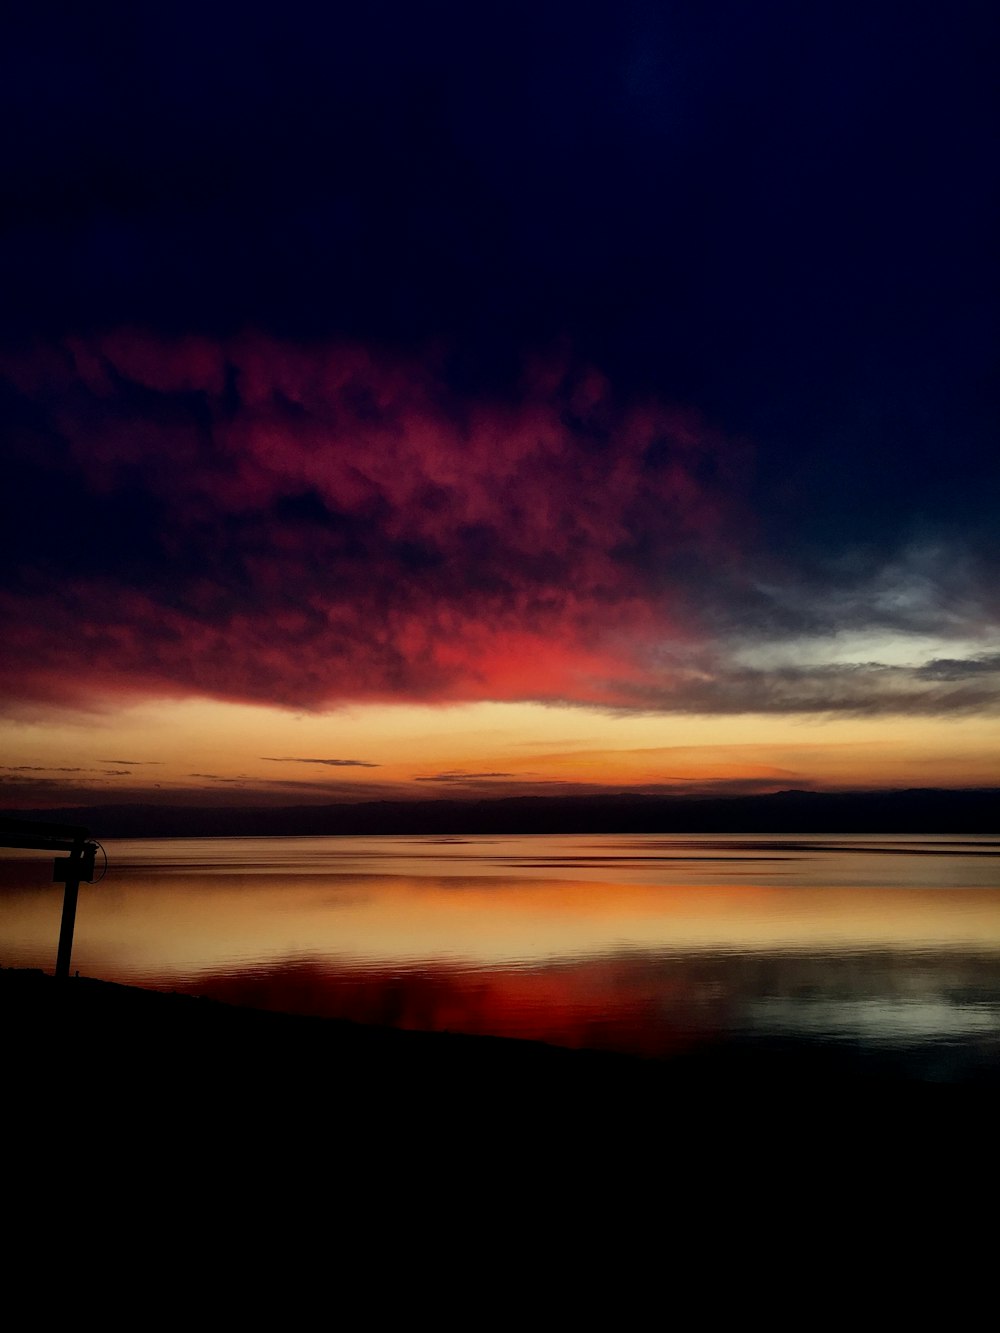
(73,872)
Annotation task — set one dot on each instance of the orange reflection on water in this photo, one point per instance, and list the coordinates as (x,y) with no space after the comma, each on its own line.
(619,1003)
(161,923)
(645,944)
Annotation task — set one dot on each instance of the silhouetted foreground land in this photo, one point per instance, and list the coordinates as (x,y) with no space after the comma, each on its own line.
(195,1142)
(178,1064)
(185,1123)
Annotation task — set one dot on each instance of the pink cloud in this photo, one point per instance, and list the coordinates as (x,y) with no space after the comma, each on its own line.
(337,525)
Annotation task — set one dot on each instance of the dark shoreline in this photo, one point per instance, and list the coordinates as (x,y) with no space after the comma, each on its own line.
(240,1121)
(111,1039)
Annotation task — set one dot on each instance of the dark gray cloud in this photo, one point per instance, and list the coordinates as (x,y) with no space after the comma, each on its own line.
(132,763)
(39,768)
(940,688)
(952,669)
(332,763)
(943,587)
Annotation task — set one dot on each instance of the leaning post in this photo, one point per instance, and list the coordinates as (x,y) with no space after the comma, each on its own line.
(70,870)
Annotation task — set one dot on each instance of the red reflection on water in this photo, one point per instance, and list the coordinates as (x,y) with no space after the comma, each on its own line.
(607,1003)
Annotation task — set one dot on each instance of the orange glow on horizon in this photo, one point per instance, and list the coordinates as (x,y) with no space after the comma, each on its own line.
(235,754)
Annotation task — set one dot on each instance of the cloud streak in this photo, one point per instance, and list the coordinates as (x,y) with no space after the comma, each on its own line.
(331,763)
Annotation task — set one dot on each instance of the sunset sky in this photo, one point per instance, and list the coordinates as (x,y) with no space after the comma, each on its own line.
(414,400)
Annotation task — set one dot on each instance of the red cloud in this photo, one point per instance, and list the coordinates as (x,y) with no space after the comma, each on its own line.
(333,525)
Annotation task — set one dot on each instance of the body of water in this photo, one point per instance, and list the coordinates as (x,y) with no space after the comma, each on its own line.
(653,944)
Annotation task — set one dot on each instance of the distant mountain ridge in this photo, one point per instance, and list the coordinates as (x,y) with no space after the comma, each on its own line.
(914,810)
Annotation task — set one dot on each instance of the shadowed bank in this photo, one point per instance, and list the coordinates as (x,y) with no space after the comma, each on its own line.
(173,1060)
(192,1119)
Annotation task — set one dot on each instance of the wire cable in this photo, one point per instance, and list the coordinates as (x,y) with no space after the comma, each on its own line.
(95,843)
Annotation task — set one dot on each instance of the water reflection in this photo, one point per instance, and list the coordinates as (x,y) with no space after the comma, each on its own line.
(646,944)
(648,1004)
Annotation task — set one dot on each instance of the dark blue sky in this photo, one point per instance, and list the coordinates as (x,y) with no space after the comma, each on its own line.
(781,214)
(779,217)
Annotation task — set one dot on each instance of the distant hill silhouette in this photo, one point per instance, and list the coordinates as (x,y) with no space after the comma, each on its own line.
(917,810)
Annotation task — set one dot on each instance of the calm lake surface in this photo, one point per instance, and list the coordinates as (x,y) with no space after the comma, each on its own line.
(651,944)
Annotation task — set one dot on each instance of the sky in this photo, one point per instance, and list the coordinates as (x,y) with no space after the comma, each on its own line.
(460,400)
